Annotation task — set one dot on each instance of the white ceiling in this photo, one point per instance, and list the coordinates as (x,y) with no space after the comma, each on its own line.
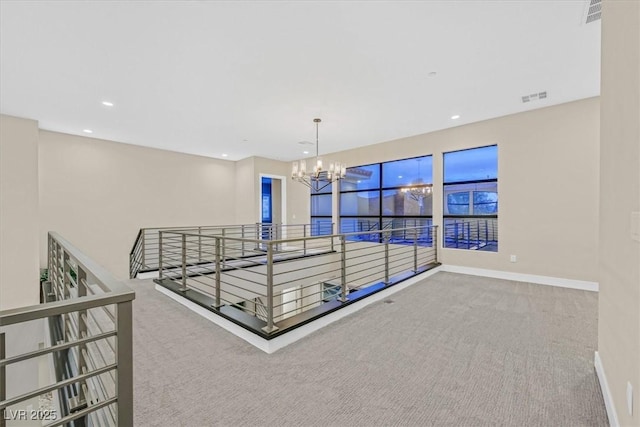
(247,78)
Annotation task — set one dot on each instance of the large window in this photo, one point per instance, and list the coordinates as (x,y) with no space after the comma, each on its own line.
(393,194)
(471,199)
(321,212)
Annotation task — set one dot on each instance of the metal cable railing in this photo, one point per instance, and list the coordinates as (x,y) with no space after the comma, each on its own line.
(276,279)
(475,233)
(145,253)
(85,366)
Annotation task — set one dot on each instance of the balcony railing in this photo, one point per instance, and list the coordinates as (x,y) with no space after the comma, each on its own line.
(270,285)
(83,364)
(144,255)
(475,233)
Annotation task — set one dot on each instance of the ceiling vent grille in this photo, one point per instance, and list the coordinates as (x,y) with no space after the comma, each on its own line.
(594,12)
(534,97)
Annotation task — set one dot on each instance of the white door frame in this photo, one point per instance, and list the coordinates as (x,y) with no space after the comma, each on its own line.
(283,196)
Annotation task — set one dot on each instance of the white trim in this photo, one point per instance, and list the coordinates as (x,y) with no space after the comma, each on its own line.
(283,196)
(522,277)
(148,275)
(606,392)
(270,346)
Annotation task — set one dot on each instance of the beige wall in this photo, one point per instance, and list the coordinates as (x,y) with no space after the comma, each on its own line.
(548,186)
(246,186)
(19,274)
(97,194)
(619,299)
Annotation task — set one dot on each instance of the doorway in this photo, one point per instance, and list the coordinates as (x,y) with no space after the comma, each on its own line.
(272,206)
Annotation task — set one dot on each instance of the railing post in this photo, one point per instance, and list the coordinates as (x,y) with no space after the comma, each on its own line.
(3,380)
(53,268)
(160,255)
(81,279)
(415,250)
(304,240)
(184,263)
(144,248)
(124,359)
(434,239)
(486,231)
(50,264)
(66,273)
(224,245)
(270,326)
(332,247)
(343,266)
(199,244)
(218,274)
(242,235)
(66,292)
(386,259)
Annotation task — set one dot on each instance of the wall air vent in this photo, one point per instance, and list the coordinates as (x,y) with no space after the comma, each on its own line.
(534,97)
(594,11)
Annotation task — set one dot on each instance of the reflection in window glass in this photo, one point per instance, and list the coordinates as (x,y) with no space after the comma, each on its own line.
(321,212)
(324,190)
(471,165)
(321,226)
(471,199)
(321,205)
(397,203)
(402,173)
(361,178)
(458,203)
(485,202)
(394,194)
(354,225)
(360,203)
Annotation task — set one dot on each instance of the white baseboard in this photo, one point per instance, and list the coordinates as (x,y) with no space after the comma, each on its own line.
(521,277)
(606,393)
(148,275)
(272,345)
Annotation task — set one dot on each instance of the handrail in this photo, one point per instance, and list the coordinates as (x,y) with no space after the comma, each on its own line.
(72,273)
(54,308)
(297,239)
(144,256)
(261,277)
(135,242)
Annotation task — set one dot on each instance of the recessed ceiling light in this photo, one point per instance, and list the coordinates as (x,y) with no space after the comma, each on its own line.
(305,152)
(107,103)
(455,116)
(400,176)
(359,181)
(224,155)
(87,131)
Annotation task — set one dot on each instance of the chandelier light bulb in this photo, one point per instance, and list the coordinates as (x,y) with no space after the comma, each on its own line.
(320,178)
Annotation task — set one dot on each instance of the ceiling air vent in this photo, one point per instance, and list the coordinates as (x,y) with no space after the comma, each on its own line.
(534,97)
(594,12)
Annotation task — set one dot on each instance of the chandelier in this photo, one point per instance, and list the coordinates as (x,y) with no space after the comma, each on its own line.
(318,178)
(418,190)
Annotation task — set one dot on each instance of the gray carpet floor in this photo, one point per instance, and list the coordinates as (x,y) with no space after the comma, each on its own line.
(452,350)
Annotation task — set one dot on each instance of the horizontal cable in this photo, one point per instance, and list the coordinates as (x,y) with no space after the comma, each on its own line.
(82,413)
(78,378)
(54,348)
